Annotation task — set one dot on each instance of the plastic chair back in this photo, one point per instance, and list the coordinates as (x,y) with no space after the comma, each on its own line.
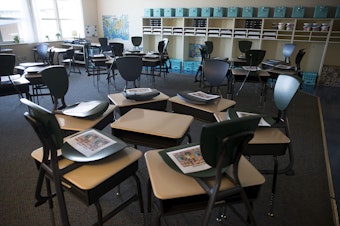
(298,59)
(69,54)
(288,50)
(104,44)
(285,89)
(254,57)
(56,79)
(209,47)
(217,138)
(46,125)
(129,67)
(215,71)
(42,50)
(136,40)
(117,48)
(244,46)
(7,63)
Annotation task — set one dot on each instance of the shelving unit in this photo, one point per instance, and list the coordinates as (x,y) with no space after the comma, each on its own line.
(263,32)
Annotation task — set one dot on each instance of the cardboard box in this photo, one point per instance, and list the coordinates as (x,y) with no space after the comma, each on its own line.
(181,12)
(148,12)
(169,12)
(207,12)
(158,12)
(280,12)
(219,12)
(248,11)
(194,12)
(298,12)
(320,12)
(233,12)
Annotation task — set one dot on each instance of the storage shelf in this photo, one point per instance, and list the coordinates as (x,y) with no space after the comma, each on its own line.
(225,32)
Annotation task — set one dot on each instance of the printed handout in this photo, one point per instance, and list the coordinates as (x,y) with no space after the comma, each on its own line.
(90,142)
(189,160)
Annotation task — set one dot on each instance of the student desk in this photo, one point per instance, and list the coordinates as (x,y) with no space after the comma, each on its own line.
(179,193)
(239,74)
(124,105)
(70,124)
(266,141)
(204,112)
(152,128)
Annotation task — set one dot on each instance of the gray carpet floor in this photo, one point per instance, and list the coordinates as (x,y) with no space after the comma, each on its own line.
(301,199)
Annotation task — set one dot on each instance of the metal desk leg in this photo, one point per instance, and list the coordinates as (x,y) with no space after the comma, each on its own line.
(271,211)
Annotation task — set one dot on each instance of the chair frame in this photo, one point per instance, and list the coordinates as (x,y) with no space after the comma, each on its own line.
(39,118)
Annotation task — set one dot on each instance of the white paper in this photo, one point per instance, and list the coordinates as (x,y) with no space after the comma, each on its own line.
(203,95)
(189,160)
(137,91)
(90,142)
(242,114)
(82,107)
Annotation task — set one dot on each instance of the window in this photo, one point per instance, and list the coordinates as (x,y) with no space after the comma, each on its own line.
(41,20)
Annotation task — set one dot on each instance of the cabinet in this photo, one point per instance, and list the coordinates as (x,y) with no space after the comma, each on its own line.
(319,36)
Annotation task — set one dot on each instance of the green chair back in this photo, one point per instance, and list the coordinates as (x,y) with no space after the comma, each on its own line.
(48,124)
(56,79)
(213,139)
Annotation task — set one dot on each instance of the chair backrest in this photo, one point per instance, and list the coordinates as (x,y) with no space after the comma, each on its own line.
(222,143)
(129,67)
(244,45)
(7,64)
(45,125)
(56,79)
(104,46)
(209,47)
(215,71)
(254,57)
(69,54)
(287,51)
(42,50)
(286,87)
(136,40)
(117,48)
(163,45)
(298,59)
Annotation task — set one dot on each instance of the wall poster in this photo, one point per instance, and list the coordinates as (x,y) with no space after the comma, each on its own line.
(116,27)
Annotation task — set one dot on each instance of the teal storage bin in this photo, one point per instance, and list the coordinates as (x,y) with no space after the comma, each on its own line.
(207,12)
(194,12)
(169,12)
(280,12)
(248,11)
(233,12)
(148,12)
(298,12)
(158,12)
(320,11)
(219,12)
(263,12)
(181,12)
(337,12)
